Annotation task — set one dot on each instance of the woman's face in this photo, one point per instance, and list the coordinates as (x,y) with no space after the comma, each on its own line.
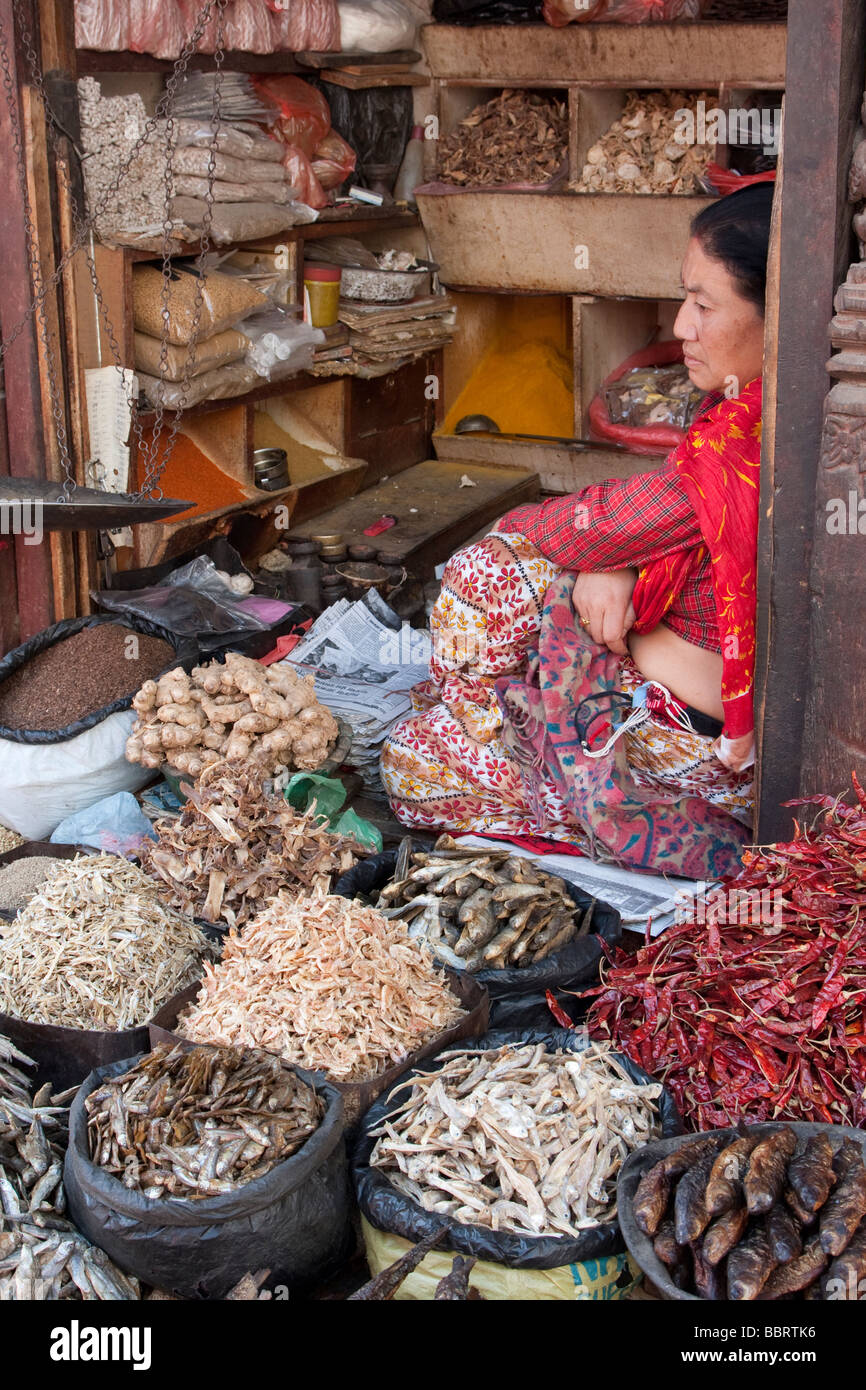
(722,333)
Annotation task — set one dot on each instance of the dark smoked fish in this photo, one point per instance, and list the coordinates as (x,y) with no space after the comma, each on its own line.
(725,1187)
(849,1268)
(783,1232)
(797,1274)
(724,1233)
(846,1205)
(665,1244)
(802,1214)
(708,1280)
(651,1198)
(691,1217)
(765,1175)
(386,1284)
(750,1265)
(454,1288)
(811,1173)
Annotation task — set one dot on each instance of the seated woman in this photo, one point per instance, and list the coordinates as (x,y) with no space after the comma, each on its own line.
(614,711)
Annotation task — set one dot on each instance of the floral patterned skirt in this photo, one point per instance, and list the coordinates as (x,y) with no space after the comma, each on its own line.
(492,744)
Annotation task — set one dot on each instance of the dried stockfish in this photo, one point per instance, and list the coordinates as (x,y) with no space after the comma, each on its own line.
(234,845)
(96,948)
(325,983)
(517,1139)
(199,1121)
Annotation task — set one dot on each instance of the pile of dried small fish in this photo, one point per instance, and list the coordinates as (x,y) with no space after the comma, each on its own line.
(517,1139)
(641,153)
(234,845)
(325,983)
(201,1121)
(759,1216)
(518,137)
(42,1256)
(481,911)
(96,948)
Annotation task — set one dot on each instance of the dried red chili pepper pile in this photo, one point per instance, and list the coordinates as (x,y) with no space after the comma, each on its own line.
(763,1020)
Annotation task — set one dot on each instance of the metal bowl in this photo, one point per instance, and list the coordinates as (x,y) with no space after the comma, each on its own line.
(641,1160)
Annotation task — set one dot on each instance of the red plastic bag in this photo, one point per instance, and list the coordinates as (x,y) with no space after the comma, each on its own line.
(333,160)
(560,12)
(102,24)
(725,182)
(156,29)
(300,26)
(307,187)
(640,439)
(305,117)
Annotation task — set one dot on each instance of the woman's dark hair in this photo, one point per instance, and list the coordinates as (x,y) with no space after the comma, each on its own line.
(736,231)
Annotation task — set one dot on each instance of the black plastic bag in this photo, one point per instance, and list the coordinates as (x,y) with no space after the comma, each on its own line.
(376,121)
(186,655)
(391,1211)
(469,12)
(518,998)
(293,1221)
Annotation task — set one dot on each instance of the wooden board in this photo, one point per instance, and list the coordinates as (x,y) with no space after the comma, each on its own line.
(435,515)
(374,77)
(530,242)
(340,60)
(827,42)
(646,55)
(559,468)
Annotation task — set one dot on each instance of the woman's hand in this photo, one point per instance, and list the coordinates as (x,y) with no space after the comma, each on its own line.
(604,608)
(736,753)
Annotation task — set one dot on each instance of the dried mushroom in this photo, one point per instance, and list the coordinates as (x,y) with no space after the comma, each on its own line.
(518,137)
(641,152)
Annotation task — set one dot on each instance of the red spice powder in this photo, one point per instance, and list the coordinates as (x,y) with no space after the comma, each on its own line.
(190,473)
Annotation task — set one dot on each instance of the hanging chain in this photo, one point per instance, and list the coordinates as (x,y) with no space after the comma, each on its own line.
(84,225)
(153,458)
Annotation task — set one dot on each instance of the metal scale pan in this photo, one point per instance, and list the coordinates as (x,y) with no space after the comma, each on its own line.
(88,509)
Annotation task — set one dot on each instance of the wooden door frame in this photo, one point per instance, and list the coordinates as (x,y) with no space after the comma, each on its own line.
(824,87)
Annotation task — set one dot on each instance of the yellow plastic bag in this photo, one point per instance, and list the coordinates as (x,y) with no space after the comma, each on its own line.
(592,1280)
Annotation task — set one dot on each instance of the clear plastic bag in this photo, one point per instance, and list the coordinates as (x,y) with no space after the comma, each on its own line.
(216,385)
(196,160)
(560,12)
(217,351)
(189,186)
(281,344)
(375,26)
(190,602)
(229,140)
(225,300)
(653,396)
(232,222)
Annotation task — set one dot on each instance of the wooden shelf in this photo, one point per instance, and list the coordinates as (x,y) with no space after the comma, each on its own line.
(646,55)
(91,61)
(530,242)
(358,221)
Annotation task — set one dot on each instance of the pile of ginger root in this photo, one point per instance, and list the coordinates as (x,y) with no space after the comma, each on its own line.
(237,710)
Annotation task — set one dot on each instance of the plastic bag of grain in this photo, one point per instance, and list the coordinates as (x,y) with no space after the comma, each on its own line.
(224,301)
(194,160)
(190,186)
(232,222)
(215,351)
(228,140)
(216,385)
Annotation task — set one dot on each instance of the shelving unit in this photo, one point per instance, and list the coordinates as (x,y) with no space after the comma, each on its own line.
(614,259)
